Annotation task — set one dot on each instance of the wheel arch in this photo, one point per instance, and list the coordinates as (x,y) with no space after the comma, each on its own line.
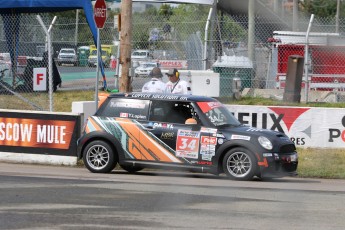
(227,146)
(109,139)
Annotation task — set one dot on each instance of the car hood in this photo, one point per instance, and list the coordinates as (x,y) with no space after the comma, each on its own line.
(143,68)
(66,54)
(243,132)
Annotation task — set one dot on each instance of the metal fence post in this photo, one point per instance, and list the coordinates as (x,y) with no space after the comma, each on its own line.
(50,66)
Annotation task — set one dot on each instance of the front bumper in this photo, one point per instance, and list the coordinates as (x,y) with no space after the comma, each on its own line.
(279,165)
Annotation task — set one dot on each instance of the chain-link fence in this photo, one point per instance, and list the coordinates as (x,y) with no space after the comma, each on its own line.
(178,40)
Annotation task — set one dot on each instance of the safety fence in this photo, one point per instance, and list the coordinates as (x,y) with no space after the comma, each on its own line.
(180,39)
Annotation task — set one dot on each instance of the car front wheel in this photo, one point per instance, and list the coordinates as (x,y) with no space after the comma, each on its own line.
(239,164)
(99,157)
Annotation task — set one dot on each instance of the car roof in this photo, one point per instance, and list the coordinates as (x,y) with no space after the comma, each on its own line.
(162,96)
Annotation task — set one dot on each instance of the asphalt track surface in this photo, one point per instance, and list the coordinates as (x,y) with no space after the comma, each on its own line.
(58,197)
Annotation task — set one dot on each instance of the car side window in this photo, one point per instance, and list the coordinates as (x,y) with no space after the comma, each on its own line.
(125,108)
(171,111)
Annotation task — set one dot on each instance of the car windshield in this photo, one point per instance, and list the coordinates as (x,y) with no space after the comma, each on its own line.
(94,52)
(148,65)
(218,114)
(137,53)
(67,51)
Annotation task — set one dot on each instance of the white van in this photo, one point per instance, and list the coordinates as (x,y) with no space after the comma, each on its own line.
(141,55)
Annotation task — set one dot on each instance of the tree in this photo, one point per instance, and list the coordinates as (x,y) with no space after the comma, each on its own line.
(166,11)
(321,8)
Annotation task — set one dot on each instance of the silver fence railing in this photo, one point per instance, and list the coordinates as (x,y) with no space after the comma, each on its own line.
(174,41)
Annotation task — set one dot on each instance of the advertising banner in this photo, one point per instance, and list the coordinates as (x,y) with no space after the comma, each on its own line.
(306,126)
(39,133)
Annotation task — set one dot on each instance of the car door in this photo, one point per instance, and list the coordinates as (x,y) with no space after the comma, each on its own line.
(124,117)
(179,142)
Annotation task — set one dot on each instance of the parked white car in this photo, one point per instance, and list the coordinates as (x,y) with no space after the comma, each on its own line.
(140,55)
(5,60)
(144,69)
(67,56)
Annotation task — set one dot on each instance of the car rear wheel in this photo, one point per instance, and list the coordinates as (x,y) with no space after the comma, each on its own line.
(99,157)
(131,169)
(239,164)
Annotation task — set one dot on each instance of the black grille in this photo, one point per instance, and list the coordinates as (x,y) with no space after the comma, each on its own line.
(287,148)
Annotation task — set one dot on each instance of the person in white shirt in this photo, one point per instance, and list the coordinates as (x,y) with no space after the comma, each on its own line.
(176,85)
(155,85)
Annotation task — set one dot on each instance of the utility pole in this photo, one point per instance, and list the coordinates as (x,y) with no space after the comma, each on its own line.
(125,46)
(251,30)
(295,15)
(337,17)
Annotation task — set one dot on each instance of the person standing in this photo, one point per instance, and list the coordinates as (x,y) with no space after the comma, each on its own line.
(155,85)
(176,85)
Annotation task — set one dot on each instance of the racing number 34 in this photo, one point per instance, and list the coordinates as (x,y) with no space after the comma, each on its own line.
(187,144)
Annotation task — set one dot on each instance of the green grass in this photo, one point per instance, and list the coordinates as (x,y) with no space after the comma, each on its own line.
(63,99)
(321,163)
(313,163)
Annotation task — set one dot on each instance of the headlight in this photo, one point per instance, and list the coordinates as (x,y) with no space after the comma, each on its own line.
(264,142)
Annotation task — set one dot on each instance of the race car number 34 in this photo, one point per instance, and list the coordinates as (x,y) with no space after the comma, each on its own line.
(187,144)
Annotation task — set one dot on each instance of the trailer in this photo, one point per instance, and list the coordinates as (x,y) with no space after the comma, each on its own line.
(326,58)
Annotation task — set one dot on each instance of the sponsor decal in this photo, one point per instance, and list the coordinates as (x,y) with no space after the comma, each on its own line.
(187,144)
(254,130)
(208,140)
(36,133)
(127,105)
(163,125)
(220,135)
(123,114)
(207,151)
(167,136)
(159,96)
(208,130)
(220,141)
(239,137)
(204,163)
(207,106)
(136,116)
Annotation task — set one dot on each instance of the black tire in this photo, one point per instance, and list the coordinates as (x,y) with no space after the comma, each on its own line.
(240,164)
(99,157)
(131,169)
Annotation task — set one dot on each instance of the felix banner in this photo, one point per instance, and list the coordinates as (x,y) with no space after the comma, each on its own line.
(306,126)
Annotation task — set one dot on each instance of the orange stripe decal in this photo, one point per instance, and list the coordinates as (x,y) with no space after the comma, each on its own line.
(263,163)
(134,142)
(141,143)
